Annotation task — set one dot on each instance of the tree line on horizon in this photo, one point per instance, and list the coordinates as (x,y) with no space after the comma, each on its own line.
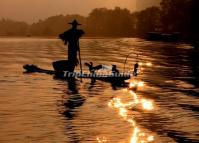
(171,16)
(101,22)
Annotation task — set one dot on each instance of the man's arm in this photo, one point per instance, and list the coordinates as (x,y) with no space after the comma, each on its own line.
(64,37)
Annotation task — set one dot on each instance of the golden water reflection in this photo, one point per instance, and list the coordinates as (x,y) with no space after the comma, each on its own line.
(138,136)
(142,66)
(101,140)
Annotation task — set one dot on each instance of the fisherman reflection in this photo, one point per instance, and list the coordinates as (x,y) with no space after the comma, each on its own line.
(73,99)
(68,105)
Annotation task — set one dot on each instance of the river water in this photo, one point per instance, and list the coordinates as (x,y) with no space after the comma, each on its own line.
(162,105)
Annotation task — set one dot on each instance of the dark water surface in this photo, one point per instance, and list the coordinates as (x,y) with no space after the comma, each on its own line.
(37,108)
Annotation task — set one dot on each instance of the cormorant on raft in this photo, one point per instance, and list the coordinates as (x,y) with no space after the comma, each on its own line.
(135,70)
(92,68)
(115,71)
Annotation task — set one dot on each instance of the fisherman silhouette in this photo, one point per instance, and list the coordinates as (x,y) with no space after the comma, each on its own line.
(71,38)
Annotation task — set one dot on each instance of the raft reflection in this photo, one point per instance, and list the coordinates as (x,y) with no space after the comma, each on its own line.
(137,136)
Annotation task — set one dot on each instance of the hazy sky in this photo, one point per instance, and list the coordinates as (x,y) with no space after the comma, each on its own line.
(32,10)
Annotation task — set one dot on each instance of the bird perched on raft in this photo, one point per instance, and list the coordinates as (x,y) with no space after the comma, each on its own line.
(115,71)
(92,68)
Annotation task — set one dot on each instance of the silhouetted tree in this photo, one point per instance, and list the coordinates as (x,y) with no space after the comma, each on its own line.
(54,25)
(176,15)
(105,22)
(194,26)
(12,28)
(181,16)
(148,20)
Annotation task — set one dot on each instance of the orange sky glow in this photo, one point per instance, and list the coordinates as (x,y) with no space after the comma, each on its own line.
(31,11)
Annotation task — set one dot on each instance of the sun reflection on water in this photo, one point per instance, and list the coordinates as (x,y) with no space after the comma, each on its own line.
(123,110)
(146,104)
(142,66)
(149,64)
(136,84)
(101,140)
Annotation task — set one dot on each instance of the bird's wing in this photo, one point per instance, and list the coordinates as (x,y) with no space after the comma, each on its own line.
(87,64)
(98,67)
